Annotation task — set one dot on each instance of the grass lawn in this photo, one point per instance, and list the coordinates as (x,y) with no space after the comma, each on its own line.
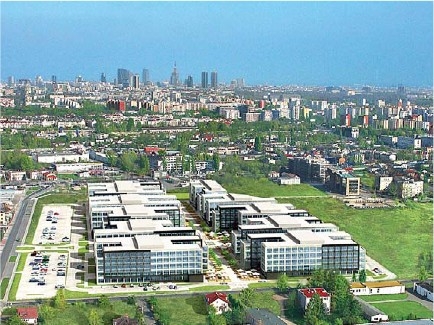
(401,309)
(258,285)
(25,248)
(392,236)
(181,196)
(264,299)
(266,188)
(184,311)
(22,262)
(77,314)
(3,287)
(51,199)
(399,296)
(12,258)
(14,287)
(219,287)
(68,176)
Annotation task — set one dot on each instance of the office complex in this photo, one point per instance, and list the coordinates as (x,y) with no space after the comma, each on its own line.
(139,235)
(273,237)
(342,182)
(309,169)
(135,81)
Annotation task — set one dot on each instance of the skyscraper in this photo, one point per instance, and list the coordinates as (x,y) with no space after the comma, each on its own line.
(124,77)
(134,83)
(145,76)
(11,81)
(53,79)
(214,82)
(189,82)
(174,77)
(204,79)
(103,77)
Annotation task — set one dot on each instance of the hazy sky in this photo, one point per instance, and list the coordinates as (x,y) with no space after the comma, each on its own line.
(280,43)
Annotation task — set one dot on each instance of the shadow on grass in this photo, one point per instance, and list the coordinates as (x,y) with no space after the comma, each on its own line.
(197,303)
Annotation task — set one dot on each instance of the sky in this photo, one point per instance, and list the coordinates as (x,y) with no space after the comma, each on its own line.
(274,43)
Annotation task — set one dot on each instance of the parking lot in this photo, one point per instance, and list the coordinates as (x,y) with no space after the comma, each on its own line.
(54,225)
(42,273)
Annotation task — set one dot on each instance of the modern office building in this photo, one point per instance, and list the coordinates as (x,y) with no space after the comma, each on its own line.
(309,169)
(275,238)
(342,182)
(145,76)
(189,82)
(214,81)
(103,77)
(204,79)
(135,81)
(124,77)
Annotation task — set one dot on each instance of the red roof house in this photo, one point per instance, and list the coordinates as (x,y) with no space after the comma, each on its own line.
(305,295)
(28,314)
(218,300)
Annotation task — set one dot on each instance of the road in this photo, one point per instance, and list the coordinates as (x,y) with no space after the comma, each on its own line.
(18,231)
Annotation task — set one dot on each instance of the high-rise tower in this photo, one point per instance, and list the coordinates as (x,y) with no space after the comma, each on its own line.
(174,78)
(214,82)
(204,82)
(145,76)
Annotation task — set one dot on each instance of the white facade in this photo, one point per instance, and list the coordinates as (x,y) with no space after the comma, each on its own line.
(52,158)
(305,295)
(424,289)
(77,167)
(377,288)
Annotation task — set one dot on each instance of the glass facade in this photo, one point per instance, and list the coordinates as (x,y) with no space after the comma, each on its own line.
(341,257)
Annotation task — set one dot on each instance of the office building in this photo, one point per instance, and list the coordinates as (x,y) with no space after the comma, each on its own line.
(309,169)
(54,79)
(214,82)
(342,182)
(124,77)
(11,81)
(189,82)
(135,81)
(145,76)
(204,80)
(103,77)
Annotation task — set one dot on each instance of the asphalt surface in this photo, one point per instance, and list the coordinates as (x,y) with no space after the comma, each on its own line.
(17,233)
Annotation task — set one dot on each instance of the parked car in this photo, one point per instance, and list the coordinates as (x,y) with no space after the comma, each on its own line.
(40,283)
(33,280)
(59,286)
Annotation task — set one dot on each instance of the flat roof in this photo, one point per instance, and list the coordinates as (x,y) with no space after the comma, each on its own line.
(380,284)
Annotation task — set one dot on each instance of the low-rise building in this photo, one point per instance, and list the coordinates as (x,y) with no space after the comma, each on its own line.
(29,315)
(425,289)
(377,288)
(305,295)
(219,301)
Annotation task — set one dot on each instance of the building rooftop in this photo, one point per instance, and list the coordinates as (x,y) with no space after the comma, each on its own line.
(309,292)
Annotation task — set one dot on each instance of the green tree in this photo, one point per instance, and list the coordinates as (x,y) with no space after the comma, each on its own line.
(130,125)
(127,161)
(15,320)
(216,161)
(59,299)
(258,144)
(362,276)
(144,165)
(315,311)
(282,282)
(131,300)
(104,302)
(246,297)
(354,278)
(423,274)
(46,312)
(93,317)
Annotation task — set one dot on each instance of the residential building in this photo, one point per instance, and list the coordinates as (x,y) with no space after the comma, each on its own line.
(309,169)
(219,301)
(29,315)
(305,295)
(382,183)
(408,188)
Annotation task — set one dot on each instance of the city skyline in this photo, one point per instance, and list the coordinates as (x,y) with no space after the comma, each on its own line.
(275,43)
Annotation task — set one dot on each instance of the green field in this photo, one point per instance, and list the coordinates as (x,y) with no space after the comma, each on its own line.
(78,314)
(51,199)
(264,299)
(401,309)
(185,311)
(399,296)
(266,188)
(3,287)
(12,258)
(209,288)
(392,236)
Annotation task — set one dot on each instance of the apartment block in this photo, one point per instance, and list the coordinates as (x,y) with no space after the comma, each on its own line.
(309,169)
(342,182)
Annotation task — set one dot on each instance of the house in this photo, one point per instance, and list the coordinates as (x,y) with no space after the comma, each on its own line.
(125,320)
(305,295)
(48,176)
(219,301)
(377,288)
(424,289)
(261,316)
(15,175)
(28,314)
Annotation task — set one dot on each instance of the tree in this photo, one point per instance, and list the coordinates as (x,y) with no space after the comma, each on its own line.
(423,274)
(362,276)
(282,282)
(315,311)
(130,124)
(131,300)
(46,312)
(59,299)
(354,278)
(15,320)
(93,317)
(246,297)
(216,161)
(258,144)
(144,164)
(104,302)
